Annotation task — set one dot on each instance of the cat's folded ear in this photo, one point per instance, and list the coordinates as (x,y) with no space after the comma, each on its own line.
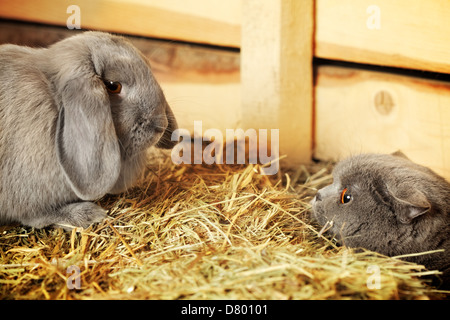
(410,203)
(399,154)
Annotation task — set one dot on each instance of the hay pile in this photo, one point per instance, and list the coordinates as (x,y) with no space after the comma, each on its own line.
(202,232)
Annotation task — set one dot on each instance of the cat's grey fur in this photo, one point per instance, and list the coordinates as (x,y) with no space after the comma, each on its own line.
(64,139)
(397,207)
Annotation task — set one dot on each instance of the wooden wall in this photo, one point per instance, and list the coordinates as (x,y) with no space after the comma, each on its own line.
(371,111)
(277,72)
(214,22)
(359,110)
(400,33)
(257,70)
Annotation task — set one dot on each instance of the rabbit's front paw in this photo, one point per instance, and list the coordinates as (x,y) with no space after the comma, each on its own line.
(80,214)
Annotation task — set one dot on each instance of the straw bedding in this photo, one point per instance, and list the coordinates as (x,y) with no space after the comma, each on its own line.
(202,232)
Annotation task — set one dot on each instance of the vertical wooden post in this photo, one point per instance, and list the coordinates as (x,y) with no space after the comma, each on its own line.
(276,72)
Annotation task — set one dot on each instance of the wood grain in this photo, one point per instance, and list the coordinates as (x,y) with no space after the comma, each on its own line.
(276,72)
(365,111)
(138,17)
(409,34)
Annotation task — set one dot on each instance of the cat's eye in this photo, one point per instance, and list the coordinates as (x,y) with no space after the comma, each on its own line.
(345,196)
(113,86)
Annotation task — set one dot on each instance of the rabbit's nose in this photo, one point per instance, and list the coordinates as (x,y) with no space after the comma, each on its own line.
(160,124)
(159,129)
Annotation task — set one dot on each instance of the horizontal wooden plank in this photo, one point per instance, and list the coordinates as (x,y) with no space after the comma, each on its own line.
(201,21)
(401,33)
(364,111)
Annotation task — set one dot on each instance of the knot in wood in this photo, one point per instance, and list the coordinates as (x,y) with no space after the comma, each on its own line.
(384,102)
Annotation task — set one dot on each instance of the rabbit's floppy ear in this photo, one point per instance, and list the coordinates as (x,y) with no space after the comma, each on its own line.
(86,143)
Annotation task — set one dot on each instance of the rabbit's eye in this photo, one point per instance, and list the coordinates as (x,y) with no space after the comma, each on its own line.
(345,196)
(113,86)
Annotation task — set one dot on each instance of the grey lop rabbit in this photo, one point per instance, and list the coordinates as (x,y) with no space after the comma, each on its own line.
(75,121)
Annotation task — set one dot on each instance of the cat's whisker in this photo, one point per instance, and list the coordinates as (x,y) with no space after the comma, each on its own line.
(327,226)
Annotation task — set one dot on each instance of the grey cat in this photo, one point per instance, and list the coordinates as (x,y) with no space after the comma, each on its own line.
(388,204)
(75,121)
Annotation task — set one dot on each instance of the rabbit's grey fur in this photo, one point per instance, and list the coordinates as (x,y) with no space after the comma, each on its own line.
(397,207)
(64,140)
